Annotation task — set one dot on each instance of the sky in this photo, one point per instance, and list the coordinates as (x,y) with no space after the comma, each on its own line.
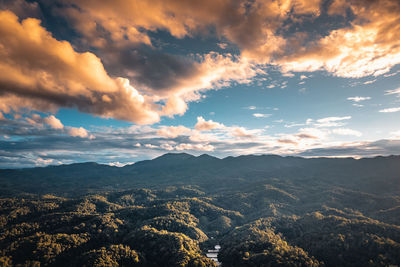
(120,81)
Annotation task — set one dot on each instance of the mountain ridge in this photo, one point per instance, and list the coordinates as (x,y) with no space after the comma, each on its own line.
(190,156)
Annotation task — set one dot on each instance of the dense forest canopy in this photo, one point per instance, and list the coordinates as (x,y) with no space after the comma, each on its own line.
(261,210)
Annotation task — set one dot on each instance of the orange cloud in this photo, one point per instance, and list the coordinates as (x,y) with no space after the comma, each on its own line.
(370,46)
(251,25)
(39,72)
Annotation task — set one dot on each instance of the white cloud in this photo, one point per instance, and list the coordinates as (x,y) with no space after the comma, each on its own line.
(395,134)
(393,92)
(390,110)
(331,121)
(346,131)
(150,146)
(251,107)
(370,81)
(358,98)
(79,132)
(203,125)
(172,131)
(261,115)
(53,122)
(200,147)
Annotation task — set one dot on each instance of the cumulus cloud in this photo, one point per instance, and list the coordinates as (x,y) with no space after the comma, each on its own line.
(79,132)
(53,122)
(203,125)
(42,73)
(39,72)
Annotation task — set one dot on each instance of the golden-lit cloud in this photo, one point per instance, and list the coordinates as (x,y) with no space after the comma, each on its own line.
(203,125)
(39,72)
(251,25)
(79,132)
(369,46)
(53,122)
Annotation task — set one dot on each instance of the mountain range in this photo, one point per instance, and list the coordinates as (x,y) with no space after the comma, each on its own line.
(263,210)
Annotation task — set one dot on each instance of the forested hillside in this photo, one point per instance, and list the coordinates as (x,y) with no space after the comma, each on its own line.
(262,210)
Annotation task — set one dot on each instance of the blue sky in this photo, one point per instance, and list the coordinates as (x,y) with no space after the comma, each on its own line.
(118,83)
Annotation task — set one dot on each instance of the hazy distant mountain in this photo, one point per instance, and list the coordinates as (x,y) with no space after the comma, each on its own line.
(377,175)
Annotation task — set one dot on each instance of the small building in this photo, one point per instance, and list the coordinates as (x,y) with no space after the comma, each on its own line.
(213,254)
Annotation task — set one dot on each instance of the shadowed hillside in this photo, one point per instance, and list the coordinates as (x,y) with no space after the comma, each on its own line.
(262,210)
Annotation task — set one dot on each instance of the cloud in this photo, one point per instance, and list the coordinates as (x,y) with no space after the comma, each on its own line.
(261,115)
(393,92)
(21,8)
(306,136)
(251,107)
(53,122)
(222,45)
(345,131)
(50,74)
(356,149)
(241,132)
(358,98)
(199,147)
(172,131)
(203,125)
(367,47)
(390,110)
(39,72)
(311,133)
(289,142)
(28,143)
(331,121)
(79,132)
(370,81)
(395,134)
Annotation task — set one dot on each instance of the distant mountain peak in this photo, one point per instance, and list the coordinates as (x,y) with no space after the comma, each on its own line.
(206,156)
(175,156)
